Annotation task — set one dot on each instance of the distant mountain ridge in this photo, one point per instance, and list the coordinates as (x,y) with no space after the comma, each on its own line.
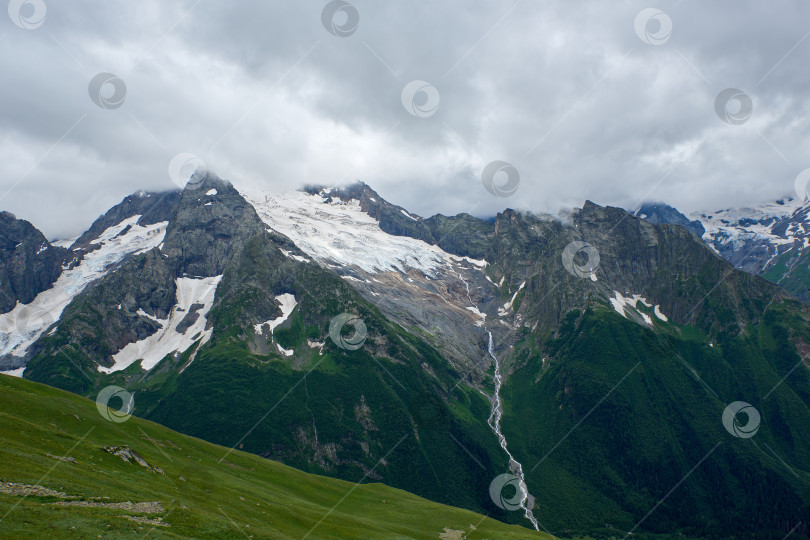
(29,264)
(663,213)
(769,240)
(603,350)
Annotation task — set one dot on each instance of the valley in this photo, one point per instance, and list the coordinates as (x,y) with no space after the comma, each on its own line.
(474,363)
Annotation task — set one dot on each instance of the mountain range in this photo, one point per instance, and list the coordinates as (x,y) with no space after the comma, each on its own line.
(579,376)
(768,240)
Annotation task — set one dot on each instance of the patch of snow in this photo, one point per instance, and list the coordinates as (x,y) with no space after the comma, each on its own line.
(298,258)
(287,303)
(594,278)
(408,215)
(618,304)
(208,204)
(43,248)
(481,263)
(64,243)
(285,352)
(638,298)
(211,192)
(622,303)
(142,313)
(316,345)
(482,316)
(734,227)
(503,311)
(372,199)
(168,340)
(14,372)
(24,324)
(333,231)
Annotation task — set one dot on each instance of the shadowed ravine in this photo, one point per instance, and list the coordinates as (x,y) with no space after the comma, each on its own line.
(495,416)
(494,422)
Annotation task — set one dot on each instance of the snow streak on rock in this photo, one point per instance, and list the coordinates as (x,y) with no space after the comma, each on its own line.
(340,233)
(287,304)
(169,340)
(23,325)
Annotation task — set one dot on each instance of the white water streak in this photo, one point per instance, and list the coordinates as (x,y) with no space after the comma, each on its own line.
(494,421)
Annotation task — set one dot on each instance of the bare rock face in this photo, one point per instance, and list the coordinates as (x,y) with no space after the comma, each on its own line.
(213,221)
(131,456)
(152,207)
(29,264)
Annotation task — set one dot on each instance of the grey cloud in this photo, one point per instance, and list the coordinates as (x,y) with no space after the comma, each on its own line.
(564,91)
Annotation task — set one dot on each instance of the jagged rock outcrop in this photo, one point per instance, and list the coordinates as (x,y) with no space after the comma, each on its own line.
(29,264)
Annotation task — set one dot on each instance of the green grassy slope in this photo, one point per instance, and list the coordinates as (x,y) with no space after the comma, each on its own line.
(324,410)
(618,417)
(240,495)
(792,272)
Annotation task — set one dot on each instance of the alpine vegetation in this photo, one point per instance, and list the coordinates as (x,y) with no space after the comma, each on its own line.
(388,270)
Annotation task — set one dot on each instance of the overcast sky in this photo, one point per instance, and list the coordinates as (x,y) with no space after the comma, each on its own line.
(586,100)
